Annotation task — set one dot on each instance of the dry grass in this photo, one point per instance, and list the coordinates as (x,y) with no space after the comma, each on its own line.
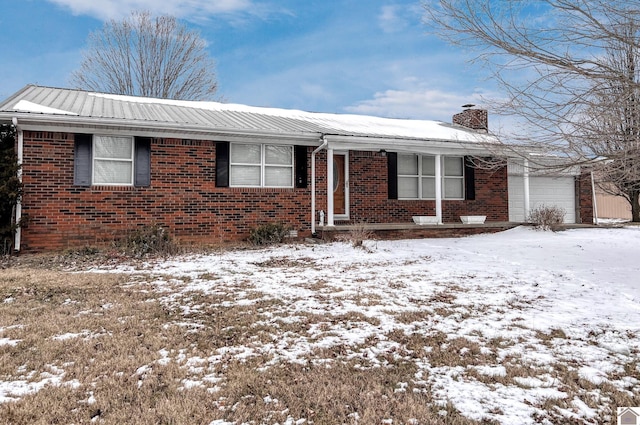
(120,353)
(340,393)
(123,352)
(94,332)
(358,234)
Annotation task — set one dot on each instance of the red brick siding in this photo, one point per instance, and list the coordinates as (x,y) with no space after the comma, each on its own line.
(370,203)
(184,198)
(584,195)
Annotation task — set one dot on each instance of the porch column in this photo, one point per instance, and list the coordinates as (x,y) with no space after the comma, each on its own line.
(439,188)
(525,181)
(330,187)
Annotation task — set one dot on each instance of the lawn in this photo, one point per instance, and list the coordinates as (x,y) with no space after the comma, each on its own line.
(519,327)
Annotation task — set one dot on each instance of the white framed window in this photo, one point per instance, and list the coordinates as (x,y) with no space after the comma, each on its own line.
(453,177)
(252,165)
(113,160)
(417,177)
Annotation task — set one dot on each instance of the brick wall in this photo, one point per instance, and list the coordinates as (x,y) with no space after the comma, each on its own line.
(477,119)
(584,198)
(370,203)
(184,198)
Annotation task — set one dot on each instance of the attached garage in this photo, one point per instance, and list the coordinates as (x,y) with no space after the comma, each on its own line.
(544,190)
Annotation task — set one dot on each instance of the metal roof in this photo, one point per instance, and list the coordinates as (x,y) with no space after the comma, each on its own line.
(48,104)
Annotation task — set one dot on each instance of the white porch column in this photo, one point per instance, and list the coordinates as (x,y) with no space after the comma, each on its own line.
(525,180)
(595,202)
(330,187)
(439,188)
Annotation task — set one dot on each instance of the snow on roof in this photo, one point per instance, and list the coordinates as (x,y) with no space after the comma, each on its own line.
(26,106)
(344,123)
(228,116)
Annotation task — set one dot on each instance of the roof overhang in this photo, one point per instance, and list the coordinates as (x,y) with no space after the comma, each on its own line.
(419,146)
(77,124)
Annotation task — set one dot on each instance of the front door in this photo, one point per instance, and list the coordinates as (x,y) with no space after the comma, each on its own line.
(340,188)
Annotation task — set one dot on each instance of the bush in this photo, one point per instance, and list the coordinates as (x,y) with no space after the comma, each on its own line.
(10,187)
(150,239)
(545,217)
(357,235)
(268,234)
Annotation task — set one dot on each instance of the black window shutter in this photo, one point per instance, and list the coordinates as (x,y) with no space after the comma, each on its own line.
(222,164)
(392,170)
(82,159)
(301,166)
(142,166)
(469,179)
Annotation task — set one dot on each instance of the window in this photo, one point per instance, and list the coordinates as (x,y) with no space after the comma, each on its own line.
(112,160)
(417,177)
(261,165)
(453,177)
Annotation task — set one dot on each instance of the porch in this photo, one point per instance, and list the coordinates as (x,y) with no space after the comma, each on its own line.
(413,231)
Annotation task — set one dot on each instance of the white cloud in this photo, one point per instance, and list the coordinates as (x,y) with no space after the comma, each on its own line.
(394,18)
(389,19)
(115,9)
(417,100)
(420,103)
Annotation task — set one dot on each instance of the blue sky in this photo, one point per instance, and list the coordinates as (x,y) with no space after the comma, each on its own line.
(369,57)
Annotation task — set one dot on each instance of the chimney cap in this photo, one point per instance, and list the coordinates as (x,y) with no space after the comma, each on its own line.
(468,105)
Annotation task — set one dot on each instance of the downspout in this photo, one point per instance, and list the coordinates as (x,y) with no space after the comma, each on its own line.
(313,184)
(595,203)
(18,236)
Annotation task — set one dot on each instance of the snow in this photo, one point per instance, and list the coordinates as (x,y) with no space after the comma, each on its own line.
(26,106)
(31,383)
(513,305)
(576,289)
(7,341)
(348,123)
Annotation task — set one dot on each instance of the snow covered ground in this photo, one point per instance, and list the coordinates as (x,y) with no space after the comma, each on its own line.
(571,296)
(529,316)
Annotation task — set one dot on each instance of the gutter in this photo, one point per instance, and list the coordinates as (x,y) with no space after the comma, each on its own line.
(324,144)
(51,122)
(30,121)
(18,235)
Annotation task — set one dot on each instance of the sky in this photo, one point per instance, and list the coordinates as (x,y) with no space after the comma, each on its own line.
(371,57)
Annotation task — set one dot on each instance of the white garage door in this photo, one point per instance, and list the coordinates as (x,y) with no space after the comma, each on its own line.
(543,190)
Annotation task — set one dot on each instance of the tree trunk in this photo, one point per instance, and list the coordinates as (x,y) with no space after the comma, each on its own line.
(635,206)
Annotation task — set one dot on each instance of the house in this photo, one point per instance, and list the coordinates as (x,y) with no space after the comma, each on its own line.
(609,206)
(542,180)
(627,416)
(97,165)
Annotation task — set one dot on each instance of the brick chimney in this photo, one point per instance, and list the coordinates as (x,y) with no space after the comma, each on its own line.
(476,119)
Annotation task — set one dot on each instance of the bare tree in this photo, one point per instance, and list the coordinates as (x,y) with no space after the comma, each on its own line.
(611,125)
(569,69)
(145,56)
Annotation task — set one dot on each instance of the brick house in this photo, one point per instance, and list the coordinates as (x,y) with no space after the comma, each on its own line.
(95,166)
